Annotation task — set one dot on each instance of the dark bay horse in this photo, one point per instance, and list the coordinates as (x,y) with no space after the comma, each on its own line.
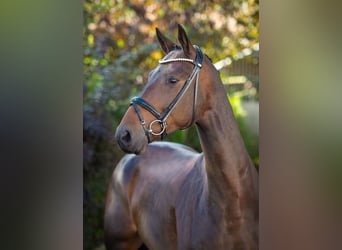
(166,195)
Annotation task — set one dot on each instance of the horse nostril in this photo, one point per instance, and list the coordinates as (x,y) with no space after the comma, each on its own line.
(123,137)
(126,137)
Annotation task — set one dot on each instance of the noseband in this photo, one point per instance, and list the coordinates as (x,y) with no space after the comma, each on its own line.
(162,117)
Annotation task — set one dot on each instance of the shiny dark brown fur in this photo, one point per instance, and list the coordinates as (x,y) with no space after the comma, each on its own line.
(169,197)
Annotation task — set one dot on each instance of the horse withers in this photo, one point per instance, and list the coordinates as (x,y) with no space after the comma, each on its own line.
(166,195)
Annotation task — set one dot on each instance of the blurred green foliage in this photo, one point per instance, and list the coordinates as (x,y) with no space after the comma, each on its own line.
(120,49)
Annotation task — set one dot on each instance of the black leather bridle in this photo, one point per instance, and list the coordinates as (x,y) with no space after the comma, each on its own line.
(162,117)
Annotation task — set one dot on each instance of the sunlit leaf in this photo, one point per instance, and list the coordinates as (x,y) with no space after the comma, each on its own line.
(156,55)
(90,40)
(120,43)
(103,62)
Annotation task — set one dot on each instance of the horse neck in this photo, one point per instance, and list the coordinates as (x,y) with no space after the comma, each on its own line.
(227,162)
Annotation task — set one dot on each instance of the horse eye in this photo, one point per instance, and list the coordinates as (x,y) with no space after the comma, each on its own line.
(172,80)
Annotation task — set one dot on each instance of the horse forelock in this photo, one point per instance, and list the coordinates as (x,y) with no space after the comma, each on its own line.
(176,47)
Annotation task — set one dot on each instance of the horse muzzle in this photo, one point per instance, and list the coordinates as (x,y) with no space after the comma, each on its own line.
(129,140)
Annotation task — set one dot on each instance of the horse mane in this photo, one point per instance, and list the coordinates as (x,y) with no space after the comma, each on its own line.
(209,58)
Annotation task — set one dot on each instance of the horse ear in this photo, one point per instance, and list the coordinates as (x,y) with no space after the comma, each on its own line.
(166,44)
(184,41)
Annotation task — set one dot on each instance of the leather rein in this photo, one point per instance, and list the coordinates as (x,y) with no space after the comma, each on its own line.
(162,117)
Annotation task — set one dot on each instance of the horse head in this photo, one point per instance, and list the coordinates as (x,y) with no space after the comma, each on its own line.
(175,95)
